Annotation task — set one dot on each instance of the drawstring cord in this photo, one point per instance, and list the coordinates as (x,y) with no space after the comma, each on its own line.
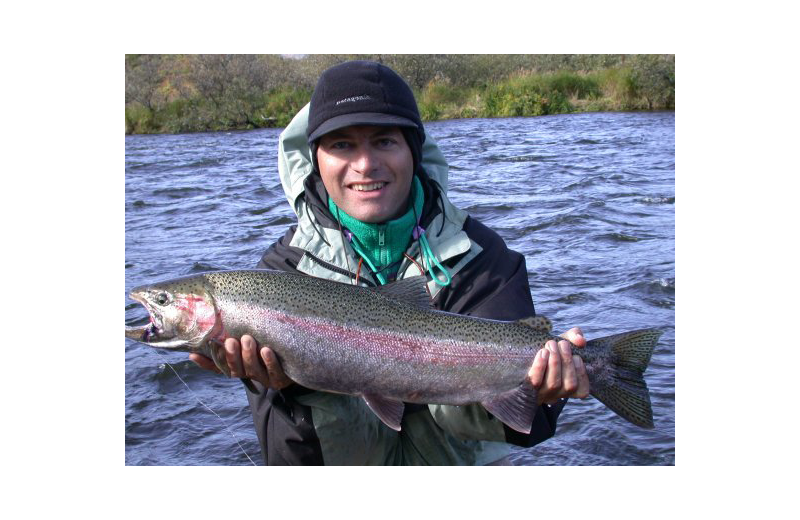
(432,261)
(419,235)
(421,270)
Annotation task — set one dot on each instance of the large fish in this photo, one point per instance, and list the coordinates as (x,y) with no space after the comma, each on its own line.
(385,344)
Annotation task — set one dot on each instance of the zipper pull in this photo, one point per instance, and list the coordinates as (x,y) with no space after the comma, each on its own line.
(381,237)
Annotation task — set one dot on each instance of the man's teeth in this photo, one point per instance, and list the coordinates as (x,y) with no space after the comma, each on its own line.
(369,187)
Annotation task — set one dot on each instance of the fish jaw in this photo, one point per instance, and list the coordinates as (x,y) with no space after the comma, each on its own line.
(180,319)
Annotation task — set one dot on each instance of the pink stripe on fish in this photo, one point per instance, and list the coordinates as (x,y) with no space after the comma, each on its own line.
(393,345)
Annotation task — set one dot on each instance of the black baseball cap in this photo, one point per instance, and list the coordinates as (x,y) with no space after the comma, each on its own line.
(361,93)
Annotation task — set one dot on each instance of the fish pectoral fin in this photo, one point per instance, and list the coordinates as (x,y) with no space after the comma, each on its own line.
(388,410)
(537,322)
(515,408)
(218,355)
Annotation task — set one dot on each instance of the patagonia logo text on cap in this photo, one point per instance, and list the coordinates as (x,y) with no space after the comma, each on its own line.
(354,98)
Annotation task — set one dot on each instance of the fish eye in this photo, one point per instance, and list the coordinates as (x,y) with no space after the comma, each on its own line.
(162,298)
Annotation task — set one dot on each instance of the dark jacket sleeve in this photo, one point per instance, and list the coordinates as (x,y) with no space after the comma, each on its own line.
(495,286)
(287,424)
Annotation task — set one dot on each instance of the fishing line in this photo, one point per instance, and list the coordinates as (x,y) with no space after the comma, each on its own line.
(235,438)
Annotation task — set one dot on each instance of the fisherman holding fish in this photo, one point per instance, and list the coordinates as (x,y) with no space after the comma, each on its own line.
(369,188)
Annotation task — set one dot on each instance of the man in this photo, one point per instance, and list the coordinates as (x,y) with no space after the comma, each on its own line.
(369,190)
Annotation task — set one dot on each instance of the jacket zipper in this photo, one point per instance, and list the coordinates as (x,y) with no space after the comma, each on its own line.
(383,254)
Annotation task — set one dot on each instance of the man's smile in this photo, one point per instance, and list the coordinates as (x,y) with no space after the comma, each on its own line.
(368,187)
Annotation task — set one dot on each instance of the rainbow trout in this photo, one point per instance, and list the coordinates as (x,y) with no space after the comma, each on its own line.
(385,344)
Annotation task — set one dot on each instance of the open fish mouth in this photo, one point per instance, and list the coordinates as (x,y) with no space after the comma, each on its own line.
(150,332)
(153,332)
(154,336)
(147,332)
(144,333)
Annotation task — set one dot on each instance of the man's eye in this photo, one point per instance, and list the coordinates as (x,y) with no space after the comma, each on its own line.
(386,142)
(340,145)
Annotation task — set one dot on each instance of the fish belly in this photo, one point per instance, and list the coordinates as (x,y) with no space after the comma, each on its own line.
(337,357)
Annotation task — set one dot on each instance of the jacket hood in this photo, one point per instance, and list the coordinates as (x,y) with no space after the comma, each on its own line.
(316,231)
(294,160)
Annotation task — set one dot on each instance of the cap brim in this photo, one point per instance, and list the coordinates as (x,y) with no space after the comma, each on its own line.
(361,118)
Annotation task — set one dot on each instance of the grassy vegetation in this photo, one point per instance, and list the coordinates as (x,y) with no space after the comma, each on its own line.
(534,94)
(175,94)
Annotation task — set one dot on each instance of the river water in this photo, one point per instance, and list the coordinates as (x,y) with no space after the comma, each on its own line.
(589,199)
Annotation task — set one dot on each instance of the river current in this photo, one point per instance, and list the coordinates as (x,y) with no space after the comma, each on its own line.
(589,199)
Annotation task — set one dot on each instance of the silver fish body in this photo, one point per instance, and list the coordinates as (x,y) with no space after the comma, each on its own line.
(384,344)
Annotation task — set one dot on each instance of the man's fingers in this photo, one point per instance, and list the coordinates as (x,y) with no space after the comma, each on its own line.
(539,367)
(276,374)
(252,362)
(204,362)
(583,378)
(552,381)
(569,379)
(575,336)
(233,355)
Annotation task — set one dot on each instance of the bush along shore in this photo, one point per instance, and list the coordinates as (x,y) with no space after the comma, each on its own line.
(543,94)
(179,94)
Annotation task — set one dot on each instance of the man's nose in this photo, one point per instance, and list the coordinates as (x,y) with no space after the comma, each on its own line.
(366,160)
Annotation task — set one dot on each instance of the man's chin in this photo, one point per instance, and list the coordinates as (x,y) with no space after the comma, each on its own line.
(371,216)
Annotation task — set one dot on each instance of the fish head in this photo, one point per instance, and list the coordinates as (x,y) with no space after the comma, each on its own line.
(183,315)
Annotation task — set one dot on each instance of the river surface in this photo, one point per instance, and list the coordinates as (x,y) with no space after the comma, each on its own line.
(589,199)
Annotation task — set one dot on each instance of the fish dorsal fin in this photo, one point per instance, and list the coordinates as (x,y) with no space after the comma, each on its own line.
(412,290)
(537,322)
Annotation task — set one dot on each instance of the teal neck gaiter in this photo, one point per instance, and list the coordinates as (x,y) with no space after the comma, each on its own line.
(382,245)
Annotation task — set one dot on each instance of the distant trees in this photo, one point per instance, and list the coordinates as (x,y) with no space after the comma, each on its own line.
(180,93)
(654,77)
(143,78)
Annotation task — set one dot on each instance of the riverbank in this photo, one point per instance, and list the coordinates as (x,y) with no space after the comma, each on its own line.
(645,83)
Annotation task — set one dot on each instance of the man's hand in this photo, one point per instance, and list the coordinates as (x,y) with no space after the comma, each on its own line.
(247,360)
(557,373)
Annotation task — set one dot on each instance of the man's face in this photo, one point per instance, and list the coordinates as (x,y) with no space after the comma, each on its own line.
(367,171)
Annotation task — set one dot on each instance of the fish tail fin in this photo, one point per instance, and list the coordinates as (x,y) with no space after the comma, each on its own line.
(624,389)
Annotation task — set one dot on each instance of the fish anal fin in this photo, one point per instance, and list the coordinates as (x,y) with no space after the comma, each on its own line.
(537,322)
(388,410)
(515,408)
